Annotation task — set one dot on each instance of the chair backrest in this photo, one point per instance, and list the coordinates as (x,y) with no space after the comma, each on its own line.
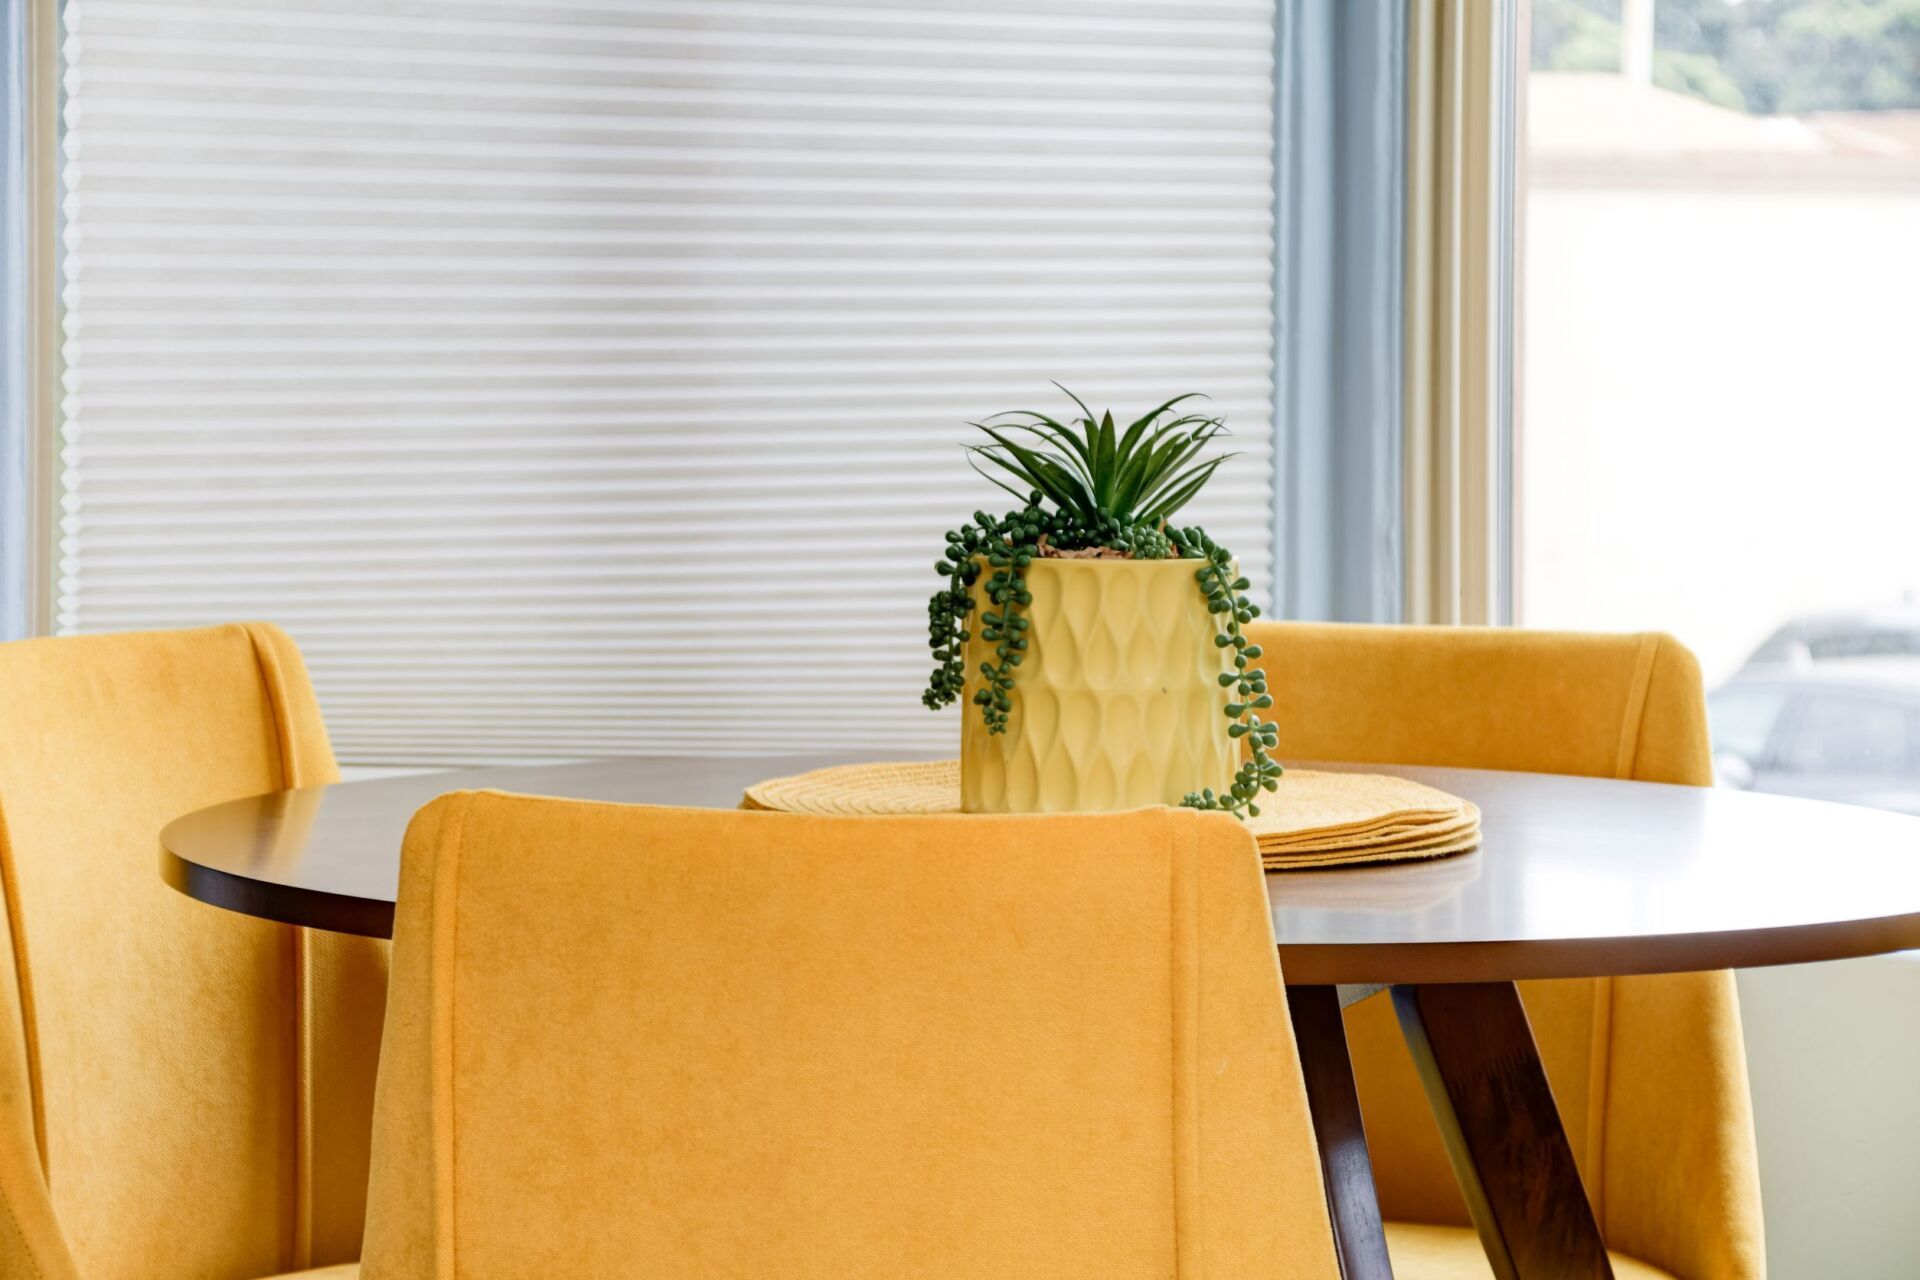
(1604,706)
(197,1085)
(1615,1049)
(629,1041)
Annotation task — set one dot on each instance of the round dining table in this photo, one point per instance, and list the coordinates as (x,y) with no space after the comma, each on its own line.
(1573,877)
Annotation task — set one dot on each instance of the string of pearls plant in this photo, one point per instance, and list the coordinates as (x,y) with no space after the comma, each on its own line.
(1091,490)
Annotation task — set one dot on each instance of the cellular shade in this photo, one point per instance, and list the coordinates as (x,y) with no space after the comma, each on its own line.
(578,379)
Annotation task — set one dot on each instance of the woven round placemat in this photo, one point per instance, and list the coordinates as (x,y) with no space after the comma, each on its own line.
(1315,819)
(869,790)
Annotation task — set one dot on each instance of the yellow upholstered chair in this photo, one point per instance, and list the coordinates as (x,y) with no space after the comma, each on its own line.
(635,1041)
(1649,1072)
(184,1092)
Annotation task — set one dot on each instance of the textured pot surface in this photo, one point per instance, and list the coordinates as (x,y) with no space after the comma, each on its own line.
(1117,703)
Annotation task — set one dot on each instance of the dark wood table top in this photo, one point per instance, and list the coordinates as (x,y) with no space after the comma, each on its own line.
(1574,876)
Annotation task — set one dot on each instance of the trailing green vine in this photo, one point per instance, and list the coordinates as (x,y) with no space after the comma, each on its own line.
(1096,492)
(1223,591)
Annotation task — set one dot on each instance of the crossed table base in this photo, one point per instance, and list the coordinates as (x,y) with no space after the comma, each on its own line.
(1705,879)
(1482,1073)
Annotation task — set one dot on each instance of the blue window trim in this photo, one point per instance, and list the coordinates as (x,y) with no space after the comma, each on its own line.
(16,507)
(1340,74)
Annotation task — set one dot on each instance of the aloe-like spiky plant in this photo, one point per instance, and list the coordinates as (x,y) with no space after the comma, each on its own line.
(1097,472)
(1092,489)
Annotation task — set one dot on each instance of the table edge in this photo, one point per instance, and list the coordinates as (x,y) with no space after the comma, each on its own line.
(1313,964)
(1302,964)
(286,904)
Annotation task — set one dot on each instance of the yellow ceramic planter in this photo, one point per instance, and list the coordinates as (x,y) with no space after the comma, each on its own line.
(1117,703)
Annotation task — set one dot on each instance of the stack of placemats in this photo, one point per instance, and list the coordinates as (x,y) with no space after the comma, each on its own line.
(1320,819)
(1315,819)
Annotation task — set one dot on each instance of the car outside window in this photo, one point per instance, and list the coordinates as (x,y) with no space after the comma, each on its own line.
(1851,735)
(1742,721)
(1865,644)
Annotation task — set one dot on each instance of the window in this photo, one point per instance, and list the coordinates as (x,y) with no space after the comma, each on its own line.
(1718,431)
(1842,735)
(1743,722)
(581,380)
(15,472)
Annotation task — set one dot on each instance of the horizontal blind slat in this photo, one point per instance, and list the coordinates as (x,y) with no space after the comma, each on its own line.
(500,349)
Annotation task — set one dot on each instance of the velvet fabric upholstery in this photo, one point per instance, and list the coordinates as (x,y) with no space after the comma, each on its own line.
(1422,1251)
(633,1041)
(1649,1072)
(184,1092)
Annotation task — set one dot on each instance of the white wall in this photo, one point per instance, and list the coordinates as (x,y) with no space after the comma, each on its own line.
(1834,1052)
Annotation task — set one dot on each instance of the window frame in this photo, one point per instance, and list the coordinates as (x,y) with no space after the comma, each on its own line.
(28,429)
(1403,512)
(1340,89)
(1466,104)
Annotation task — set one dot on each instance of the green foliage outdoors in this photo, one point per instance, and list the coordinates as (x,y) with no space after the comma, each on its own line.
(1767,57)
(1090,488)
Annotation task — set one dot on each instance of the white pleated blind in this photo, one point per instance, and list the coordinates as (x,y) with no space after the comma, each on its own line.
(575,378)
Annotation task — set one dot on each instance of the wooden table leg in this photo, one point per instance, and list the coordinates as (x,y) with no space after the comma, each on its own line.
(1335,1106)
(1482,1072)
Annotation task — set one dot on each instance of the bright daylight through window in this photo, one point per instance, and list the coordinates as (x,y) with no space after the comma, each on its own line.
(1719,431)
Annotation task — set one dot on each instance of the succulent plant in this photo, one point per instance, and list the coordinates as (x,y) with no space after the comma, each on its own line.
(1091,489)
(1098,473)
